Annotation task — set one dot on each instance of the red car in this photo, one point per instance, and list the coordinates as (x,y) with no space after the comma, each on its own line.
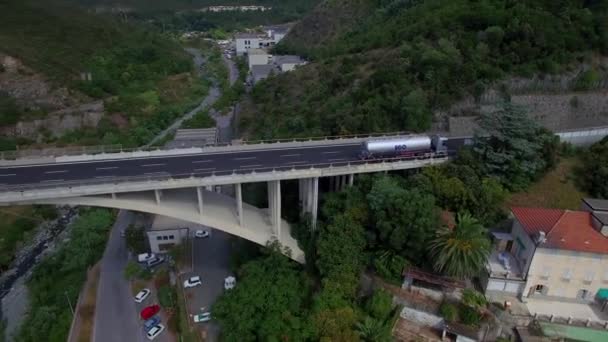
(149,311)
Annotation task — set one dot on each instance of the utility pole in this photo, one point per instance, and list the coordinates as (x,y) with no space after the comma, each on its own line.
(69,303)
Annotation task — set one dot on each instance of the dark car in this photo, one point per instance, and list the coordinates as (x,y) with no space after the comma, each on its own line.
(151,323)
(149,311)
(156,261)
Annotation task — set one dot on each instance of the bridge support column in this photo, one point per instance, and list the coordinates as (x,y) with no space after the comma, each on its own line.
(315,201)
(199,195)
(157,194)
(239,203)
(209,187)
(274,206)
(351,179)
(113,195)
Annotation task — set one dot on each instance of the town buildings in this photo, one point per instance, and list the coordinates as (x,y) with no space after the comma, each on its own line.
(552,254)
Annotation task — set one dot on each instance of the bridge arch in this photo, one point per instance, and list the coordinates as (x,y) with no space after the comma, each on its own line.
(219,212)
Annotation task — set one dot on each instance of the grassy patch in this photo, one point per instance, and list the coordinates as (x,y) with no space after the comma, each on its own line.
(555,190)
(186,331)
(200,120)
(87,309)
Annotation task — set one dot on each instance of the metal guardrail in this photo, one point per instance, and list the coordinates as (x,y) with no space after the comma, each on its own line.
(241,171)
(81,150)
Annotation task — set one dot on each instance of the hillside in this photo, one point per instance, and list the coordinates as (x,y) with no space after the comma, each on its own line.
(404,60)
(82,64)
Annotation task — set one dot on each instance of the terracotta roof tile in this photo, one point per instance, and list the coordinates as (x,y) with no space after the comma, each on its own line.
(534,220)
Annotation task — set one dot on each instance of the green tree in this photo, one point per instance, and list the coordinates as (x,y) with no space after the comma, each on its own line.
(404,219)
(136,239)
(267,304)
(340,252)
(132,270)
(461,252)
(593,173)
(510,146)
(373,330)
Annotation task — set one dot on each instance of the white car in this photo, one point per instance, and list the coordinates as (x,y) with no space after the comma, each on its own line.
(201,234)
(144,257)
(193,281)
(142,295)
(229,283)
(155,331)
(204,317)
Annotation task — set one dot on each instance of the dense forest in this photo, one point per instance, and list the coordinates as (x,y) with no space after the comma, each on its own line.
(388,70)
(144,77)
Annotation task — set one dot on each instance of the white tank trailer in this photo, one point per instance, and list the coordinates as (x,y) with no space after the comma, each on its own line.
(412,145)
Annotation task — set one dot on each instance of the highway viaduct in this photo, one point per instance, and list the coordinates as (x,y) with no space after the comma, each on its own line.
(180,183)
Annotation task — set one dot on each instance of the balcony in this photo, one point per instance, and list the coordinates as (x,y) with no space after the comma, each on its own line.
(503,264)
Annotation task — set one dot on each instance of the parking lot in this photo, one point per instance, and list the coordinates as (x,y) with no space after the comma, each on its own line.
(211,261)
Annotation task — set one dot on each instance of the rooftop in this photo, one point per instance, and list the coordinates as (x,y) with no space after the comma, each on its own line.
(257,52)
(264,70)
(602,217)
(287,59)
(245,35)
(564,229)
(596,204)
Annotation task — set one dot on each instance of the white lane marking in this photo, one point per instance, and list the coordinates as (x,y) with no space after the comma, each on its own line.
(331,152)
(201,161)
(207,169)
(52,180)
(244,158)
(8,175)
(165,157)
(337,159)
(151,165)
(106,168)
(155,173)
(254,165)
(58,171)
(298,162)
(291,155)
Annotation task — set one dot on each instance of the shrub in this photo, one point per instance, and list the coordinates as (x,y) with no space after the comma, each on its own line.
(167,296)
(448,311)
(474,299)
(469,315)
(132,270)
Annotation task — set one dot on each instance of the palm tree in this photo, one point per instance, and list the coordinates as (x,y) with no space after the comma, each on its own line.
(461,252)
(373,330)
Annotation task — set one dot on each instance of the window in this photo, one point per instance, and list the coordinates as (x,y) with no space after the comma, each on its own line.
(567,275)
(171,237)
(589,275)
(545,273)
(158,237)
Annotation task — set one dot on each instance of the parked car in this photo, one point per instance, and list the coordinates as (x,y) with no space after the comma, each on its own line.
(144,257)
(156,261)
(203,317)
(149,311)
(142,295)
(155,331)
(192,282)
(151,323)
(229,283)
(201,234)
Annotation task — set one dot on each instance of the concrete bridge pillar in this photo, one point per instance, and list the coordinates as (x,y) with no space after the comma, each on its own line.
(351,179)
(309,192)
(199,195)
(157,195)
(274,206)
(239,203)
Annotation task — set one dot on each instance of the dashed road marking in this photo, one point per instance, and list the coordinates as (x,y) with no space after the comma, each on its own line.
(331,152)
(207,169)
(250,166)
(291,155)
(8,175)
(152,165)
(245,158)
(337,159)
(58,171)
(106,168)
(201,161)
(297,162)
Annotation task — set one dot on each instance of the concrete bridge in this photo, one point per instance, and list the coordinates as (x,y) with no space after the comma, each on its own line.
(179,183)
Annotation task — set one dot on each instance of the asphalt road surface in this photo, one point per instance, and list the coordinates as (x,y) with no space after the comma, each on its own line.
(211,261)
(184,165)
(115,313)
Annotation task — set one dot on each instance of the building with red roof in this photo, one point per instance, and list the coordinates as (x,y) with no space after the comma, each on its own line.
(552,253)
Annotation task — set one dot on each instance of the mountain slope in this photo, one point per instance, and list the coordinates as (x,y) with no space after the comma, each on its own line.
(405,59)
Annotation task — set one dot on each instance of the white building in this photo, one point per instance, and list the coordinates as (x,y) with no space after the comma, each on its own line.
(287,62)
(553,254)
(258,57)
(246,41)
(166,232)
